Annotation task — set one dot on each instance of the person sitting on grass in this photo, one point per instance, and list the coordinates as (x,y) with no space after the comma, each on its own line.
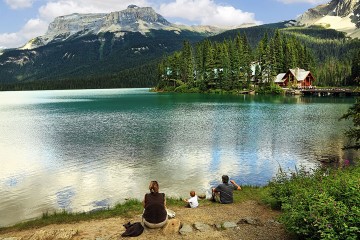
(223,193)
(193,201)
(155,214)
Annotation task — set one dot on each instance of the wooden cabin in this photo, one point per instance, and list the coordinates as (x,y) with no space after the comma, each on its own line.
(297,77)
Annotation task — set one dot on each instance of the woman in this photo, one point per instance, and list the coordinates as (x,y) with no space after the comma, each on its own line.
(155,214)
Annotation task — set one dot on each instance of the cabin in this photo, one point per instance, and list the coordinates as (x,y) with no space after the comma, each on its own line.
(296,77)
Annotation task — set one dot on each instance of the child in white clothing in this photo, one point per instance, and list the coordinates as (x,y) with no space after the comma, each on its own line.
(193,201)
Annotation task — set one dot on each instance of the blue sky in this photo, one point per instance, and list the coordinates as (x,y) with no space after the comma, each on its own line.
(22,20)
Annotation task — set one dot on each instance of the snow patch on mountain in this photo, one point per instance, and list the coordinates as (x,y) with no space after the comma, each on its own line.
(132,19)
(341,15)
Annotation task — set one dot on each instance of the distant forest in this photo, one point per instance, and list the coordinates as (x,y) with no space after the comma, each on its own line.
(236,63)
(142,76)
(225,61)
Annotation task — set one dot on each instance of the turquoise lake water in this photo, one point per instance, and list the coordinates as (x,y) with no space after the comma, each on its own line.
(81,150)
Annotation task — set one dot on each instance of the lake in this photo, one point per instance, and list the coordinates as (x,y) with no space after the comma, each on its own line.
(82,150)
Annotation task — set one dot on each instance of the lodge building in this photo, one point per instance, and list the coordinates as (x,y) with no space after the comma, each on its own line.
(296,77)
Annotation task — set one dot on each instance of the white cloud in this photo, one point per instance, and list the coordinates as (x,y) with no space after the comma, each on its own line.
(16,4)
(314,2)
(33,28)
(47,13)
(206,12)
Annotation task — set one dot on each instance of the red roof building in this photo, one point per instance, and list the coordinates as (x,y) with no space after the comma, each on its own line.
(295,78)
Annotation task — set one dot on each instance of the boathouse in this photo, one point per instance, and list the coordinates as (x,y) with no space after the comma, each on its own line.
(296,77)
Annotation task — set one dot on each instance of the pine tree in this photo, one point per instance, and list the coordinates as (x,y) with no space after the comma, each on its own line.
(355,69)
(247,60)
(354,132)
(187,65)
(234,64)
(199,63)
(208,61)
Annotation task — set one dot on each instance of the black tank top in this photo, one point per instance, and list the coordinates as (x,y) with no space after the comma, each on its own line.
(155,211)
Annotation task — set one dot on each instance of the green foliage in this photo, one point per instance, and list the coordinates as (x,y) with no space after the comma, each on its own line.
(271,89)
(142,76)
(92,61)
(182,88)
(333,72)
(250,193)
(317,32)
(331,51)
(126,209)
(105,61)
(354,132)
(227,66)
(355,68)
(319,205)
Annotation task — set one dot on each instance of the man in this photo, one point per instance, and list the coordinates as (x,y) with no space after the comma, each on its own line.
(223,193)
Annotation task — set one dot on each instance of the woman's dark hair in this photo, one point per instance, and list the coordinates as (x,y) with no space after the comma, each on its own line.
(154,186)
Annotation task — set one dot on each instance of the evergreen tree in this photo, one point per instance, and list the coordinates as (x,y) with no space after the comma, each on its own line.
(247,60)
(208,61)
(354,132)
(199,63)
(234,64)
(187,63)
(355,69)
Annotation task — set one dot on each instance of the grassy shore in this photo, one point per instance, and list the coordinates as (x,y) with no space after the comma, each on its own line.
(127,209)
(320,205)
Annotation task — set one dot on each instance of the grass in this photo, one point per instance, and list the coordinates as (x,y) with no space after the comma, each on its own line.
(127,209)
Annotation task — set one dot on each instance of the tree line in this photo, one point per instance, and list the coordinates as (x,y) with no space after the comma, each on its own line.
(233,64)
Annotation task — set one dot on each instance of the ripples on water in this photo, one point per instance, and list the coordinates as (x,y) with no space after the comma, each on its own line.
(88,149)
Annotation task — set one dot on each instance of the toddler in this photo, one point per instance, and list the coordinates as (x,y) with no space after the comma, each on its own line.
(193,201)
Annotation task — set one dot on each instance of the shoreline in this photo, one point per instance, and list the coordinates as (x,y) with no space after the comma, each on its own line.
(126,209)
(261,224)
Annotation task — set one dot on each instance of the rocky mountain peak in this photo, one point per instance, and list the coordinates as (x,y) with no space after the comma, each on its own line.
(127,20)
(74,23)
(342,15)
(340,8)
(133,15)
(132,19)
(345,7)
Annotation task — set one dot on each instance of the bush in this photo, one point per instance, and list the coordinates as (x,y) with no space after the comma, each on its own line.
(217,91)
(194,90)
(319,205)
(169,89)
(271,89)
(183,88)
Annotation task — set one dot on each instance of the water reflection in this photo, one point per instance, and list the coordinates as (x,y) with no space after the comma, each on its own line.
(88,149)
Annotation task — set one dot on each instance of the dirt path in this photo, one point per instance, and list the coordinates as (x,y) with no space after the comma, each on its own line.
(108,229)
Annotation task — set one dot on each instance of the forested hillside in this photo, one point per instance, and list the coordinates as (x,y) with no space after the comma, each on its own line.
(225,61)
(108,62)
(93,61)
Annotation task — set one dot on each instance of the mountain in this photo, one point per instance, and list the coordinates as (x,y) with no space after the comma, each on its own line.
(341,15)
(92,46)
(122,49)
(132,19)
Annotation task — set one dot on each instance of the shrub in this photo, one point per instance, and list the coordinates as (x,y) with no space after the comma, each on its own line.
(319,205)
(169,89)
(271,89)
(183,88)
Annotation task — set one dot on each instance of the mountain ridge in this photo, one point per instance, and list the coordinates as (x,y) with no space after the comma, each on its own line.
(341,15)
(119,49)
(132,19)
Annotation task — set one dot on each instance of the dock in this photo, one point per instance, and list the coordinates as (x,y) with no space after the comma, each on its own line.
(336,92)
